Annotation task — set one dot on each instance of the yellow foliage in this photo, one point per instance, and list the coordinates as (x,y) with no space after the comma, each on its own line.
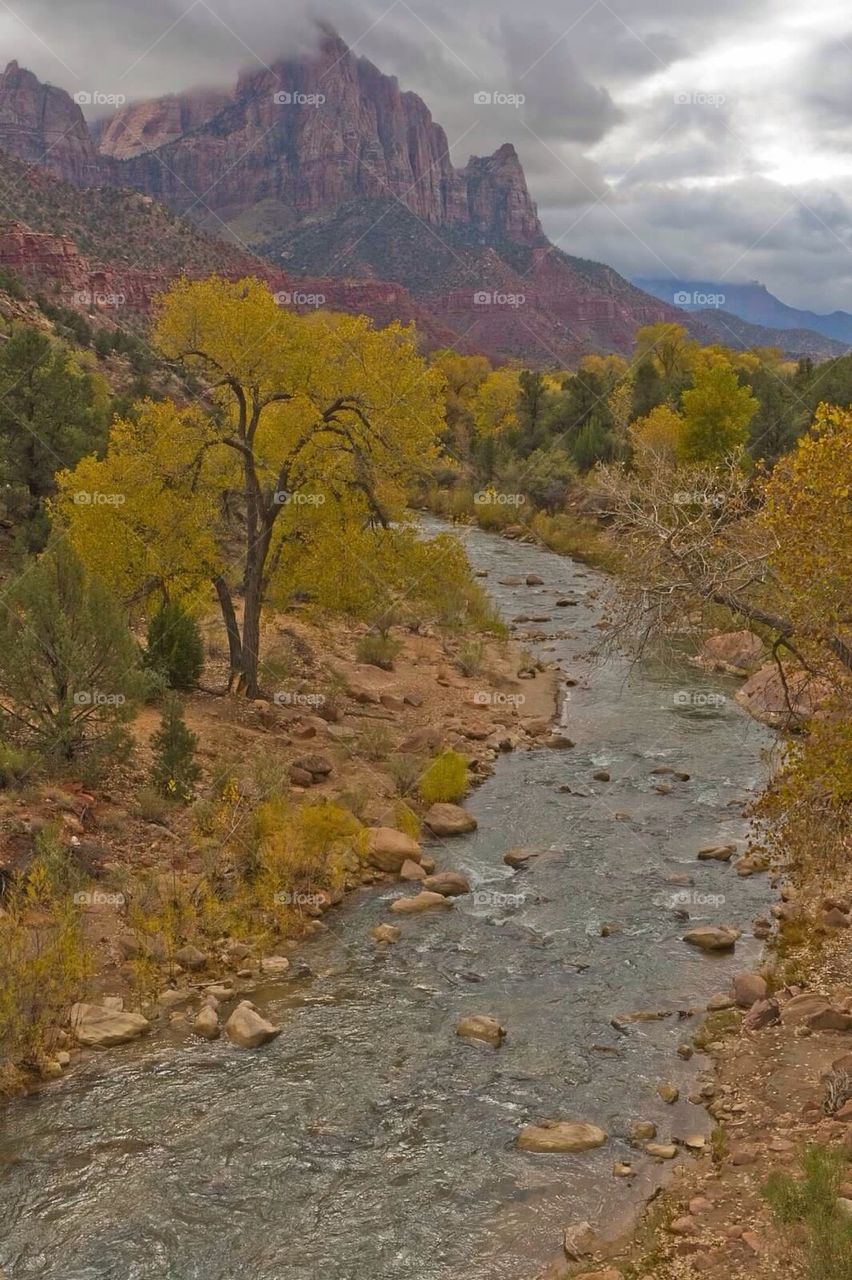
(444,779)
(147,513)
(808,514)
(656,439)
(495,405)
(45,961)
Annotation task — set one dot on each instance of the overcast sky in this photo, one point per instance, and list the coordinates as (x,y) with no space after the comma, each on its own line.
(703,138)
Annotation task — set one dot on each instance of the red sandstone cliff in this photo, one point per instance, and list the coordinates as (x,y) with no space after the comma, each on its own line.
(145,126)
(308,135)
(44,125)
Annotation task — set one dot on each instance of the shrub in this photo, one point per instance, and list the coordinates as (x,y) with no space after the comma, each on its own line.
(151,805)
(444,779)
(15,765)
(375,742)
(68,663)
(279,667)
(405,769)
(378,650)
(43,967)
(470,657)
(296,850)
(175,647)
(175,771)
(812,1201)
(406,820)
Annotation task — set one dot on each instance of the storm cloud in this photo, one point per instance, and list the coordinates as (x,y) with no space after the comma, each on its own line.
(658,135)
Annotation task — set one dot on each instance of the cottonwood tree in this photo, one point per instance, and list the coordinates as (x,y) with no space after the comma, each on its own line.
(312,429)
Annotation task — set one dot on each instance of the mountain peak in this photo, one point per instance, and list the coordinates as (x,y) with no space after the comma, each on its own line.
(43,125)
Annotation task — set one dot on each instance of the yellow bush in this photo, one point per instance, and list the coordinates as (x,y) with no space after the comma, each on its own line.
(445,779)
(406,820)
(300,850)
(44,965)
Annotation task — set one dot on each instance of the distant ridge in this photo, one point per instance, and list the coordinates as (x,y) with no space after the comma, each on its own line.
(752,302)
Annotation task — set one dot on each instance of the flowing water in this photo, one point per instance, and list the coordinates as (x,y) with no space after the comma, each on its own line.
(370,1143)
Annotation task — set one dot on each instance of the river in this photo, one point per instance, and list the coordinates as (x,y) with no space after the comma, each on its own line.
(368,1142)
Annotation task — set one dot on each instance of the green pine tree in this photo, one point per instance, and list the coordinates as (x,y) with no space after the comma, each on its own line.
(174,771)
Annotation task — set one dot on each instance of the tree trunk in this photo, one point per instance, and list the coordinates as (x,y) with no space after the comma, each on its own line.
(235,647)
(251,636)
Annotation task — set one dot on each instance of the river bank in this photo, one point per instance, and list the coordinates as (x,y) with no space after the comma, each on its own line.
(352,719)
(569,955)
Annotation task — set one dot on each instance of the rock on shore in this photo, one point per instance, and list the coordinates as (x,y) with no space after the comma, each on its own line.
(100,1028)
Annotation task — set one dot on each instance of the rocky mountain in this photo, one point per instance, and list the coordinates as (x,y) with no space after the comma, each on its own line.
(307,135)
(43,125)
(751,302)
(342,185)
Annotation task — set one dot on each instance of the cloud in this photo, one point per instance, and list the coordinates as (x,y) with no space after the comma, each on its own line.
(798,241)
(622,170)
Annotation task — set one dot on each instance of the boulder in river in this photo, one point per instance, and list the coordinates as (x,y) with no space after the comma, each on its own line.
(578,1241)
(411,870)
(736,652)
(783,700)
(100,1028)
(449,820)
(480,1026)
(248,1029)
(450,883)
(717,853)
(520,857)
(388,849)
(206,1024)
(552,1136)
(386,933)
(420,902)
(710,937)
